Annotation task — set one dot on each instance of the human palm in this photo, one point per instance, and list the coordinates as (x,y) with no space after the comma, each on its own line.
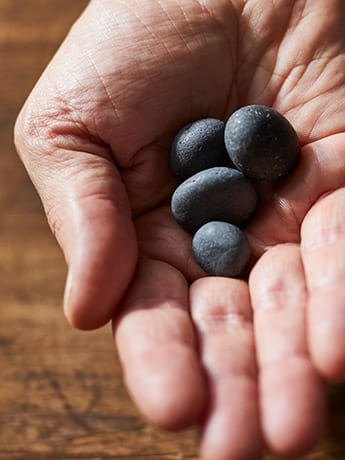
(95,133)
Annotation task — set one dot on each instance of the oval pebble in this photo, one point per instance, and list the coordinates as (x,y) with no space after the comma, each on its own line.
(221,249)
(218,193)
(261,142)
(197,146)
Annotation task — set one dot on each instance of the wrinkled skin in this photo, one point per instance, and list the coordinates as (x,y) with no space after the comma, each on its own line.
(94,135)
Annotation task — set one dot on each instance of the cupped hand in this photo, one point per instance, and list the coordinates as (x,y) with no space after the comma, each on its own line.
(94,136)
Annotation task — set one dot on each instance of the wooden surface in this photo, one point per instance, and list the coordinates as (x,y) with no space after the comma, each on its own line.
(61,393)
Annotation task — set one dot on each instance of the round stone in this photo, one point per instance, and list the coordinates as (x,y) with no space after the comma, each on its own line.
(221,249)
(261,142)
(198,146)
(218,193)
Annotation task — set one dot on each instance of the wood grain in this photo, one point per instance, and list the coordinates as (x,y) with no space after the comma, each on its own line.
(61,391)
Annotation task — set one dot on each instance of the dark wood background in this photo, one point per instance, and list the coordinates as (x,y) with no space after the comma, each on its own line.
(61,392)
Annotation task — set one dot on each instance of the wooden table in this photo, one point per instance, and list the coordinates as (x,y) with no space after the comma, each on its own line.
(61,391)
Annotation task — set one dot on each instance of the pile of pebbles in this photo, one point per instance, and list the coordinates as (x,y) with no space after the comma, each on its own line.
(214,201)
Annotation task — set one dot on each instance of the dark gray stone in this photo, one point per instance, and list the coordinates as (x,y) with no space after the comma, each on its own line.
(261,142)
(198,146)
(219,193)
(221,249)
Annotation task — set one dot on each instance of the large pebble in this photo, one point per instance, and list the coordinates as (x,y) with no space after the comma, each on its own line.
(261,142)
(218,193)
(221,249)
(198,146)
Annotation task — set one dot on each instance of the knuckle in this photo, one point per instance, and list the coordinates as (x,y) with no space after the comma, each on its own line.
(221,304)
(220,319)
(43,128)
(33,127)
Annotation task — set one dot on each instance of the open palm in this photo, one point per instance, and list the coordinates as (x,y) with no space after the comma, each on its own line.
(94,137)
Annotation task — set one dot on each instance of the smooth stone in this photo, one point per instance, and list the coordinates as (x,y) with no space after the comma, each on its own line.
(261,142)
(221,249)
(197,146)
(218,193)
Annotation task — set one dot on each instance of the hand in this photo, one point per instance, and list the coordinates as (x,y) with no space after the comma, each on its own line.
(94,136)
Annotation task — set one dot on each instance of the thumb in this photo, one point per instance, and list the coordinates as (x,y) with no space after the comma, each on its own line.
(88,211)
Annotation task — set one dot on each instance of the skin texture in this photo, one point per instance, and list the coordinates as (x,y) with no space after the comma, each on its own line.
(94,136)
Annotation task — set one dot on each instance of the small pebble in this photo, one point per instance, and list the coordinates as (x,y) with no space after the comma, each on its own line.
(218,193)
(261,142)
(221,249)
(198,146)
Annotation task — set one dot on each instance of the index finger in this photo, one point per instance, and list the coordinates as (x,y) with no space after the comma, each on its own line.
(157,347)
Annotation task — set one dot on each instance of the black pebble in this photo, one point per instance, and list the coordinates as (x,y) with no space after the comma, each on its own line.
(261,142)
(219,193)
(197,146)
(221,249)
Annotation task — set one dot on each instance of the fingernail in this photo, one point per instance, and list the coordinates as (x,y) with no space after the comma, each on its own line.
(67,294)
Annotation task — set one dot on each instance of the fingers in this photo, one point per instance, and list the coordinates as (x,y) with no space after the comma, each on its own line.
(291,392)
(87,209)
(323,250)
(321,168)
(157,347)
(221,311)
